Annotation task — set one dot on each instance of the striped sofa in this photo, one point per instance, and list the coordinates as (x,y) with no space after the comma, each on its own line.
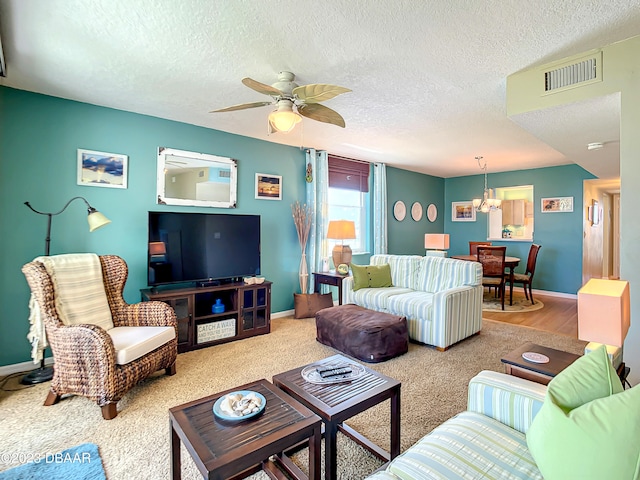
(440,297)
(486,441)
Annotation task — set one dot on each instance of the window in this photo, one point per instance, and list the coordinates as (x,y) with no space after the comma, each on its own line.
(346,204)
(348,198)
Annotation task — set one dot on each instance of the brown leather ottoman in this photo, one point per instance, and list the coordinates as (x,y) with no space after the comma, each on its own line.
(364,334)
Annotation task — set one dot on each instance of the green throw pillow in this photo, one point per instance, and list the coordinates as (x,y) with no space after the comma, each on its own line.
(588,425)
(371,276)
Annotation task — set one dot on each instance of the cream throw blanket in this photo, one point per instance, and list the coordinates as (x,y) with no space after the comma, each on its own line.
(79,294)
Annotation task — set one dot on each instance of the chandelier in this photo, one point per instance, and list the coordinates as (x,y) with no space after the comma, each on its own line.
(486,203)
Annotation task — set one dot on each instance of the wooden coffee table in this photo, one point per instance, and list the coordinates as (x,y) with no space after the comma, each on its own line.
(337,402)
(515,365)
(232,450)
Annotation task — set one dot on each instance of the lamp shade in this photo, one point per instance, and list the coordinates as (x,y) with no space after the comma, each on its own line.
(341,230)
(436,241)
(157,248)
(96,220)
(603,311)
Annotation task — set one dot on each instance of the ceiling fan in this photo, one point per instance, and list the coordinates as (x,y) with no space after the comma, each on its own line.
(292,101)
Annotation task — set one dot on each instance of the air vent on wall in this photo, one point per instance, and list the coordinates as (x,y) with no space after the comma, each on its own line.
(576,72)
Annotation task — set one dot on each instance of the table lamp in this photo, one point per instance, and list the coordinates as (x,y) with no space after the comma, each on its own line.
(341,230)
(436,244)
(604,316)
(157,251)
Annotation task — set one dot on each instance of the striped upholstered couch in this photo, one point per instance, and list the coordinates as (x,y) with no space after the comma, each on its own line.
(441,297)
(486,441)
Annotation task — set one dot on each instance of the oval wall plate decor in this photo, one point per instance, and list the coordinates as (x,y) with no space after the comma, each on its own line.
(416,211)
(432,212)
(399,210)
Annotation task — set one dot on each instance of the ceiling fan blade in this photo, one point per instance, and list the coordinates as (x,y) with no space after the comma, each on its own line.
(318,112)
(242,106)
(261,87)
(318,92)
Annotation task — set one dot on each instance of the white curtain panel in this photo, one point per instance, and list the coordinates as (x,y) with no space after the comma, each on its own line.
(379,208)
(317,195)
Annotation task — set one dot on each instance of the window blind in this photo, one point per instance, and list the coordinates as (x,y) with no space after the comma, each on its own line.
(348,173)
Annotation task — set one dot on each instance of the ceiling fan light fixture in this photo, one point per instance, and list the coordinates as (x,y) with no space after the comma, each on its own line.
(284,118)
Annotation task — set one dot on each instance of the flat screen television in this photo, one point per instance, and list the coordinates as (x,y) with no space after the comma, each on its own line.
(202,247)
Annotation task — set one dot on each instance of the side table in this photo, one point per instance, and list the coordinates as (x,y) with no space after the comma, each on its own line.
(232,450)
(332,278)
(337,402)
(542,373)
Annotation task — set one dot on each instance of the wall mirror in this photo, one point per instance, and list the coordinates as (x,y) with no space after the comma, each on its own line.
(196,179)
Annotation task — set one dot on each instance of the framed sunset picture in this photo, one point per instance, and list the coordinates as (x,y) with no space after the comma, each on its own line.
(268,187)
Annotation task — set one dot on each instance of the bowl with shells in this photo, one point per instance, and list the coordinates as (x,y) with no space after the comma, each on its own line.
(240,405)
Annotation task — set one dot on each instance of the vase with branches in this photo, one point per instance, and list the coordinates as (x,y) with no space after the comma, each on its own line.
(302,218)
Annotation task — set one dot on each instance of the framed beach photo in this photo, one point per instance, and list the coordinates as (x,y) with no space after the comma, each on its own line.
(556,204)
(463,212)
(102,169)
(268,187)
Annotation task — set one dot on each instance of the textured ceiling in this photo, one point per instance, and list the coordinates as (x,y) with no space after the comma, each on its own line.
(428,77)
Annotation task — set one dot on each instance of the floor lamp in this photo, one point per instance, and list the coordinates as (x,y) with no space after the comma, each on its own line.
(96,220)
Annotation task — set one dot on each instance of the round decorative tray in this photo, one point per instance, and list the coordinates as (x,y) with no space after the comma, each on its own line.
(311,375)
(535,357)
(231,418)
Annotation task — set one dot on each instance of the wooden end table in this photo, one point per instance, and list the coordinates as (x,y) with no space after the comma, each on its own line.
(333,279)
(542,373)
(232,450)
(337,402)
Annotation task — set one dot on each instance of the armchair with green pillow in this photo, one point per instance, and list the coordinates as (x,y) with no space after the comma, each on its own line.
(440,297)
(583,425)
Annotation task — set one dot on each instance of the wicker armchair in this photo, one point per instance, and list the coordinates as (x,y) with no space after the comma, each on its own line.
(84,355)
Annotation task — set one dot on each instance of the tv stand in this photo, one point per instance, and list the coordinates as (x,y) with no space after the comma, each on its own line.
(247,312)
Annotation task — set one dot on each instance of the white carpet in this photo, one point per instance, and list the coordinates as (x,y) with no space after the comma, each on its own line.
(136,443)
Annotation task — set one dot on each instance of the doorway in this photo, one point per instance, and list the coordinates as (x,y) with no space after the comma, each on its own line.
(601,229)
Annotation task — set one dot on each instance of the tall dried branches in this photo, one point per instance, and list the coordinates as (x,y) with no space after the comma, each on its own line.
(302,218)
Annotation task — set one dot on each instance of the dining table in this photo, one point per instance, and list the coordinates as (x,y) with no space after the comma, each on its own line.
(509,262)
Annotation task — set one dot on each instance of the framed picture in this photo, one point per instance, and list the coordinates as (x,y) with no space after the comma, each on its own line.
(268,187)
(102,169)
(556,204)
(463,212)
(594,213)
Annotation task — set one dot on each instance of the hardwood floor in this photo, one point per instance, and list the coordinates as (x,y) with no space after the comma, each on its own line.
(559,315)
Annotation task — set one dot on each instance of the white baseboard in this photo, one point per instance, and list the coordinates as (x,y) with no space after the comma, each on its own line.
(23,367)
(284,313)
(551,294)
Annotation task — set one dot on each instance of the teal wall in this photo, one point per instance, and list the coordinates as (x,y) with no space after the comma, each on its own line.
(39,138)
(407,237)
(559,266)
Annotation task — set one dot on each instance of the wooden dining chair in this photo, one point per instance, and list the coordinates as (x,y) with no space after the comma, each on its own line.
(473,247)
(526,279)
(492,260)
